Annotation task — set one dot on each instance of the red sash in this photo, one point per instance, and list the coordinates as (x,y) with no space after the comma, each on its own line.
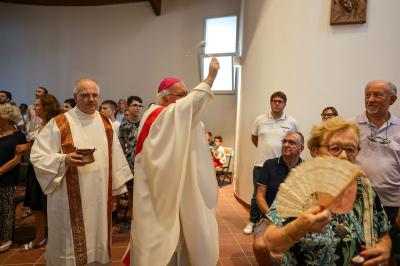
(146,128)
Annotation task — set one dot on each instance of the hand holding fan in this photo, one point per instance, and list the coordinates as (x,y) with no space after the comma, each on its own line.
(325,181)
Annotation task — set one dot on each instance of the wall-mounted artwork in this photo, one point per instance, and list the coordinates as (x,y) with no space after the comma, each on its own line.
(348,12)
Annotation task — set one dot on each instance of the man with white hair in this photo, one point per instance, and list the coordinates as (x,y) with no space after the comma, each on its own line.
(379,155)
(79,190)
(175,192)
(120,114)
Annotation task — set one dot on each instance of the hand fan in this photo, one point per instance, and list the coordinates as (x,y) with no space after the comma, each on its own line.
(325,181)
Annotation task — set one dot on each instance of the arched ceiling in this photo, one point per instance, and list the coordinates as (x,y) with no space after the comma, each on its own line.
(155,4)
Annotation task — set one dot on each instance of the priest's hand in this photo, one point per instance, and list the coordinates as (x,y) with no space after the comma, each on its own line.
(212,71)
(74,159)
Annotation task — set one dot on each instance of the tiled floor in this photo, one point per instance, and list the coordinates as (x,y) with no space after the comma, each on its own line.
(235,247)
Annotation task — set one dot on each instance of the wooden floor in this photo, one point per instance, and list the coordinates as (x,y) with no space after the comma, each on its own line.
(235,247)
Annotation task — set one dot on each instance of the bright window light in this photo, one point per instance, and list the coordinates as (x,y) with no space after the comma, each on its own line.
(224,80)
(220,35)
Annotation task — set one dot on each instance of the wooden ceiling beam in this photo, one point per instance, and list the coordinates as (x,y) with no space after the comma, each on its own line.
(71,2)
(156,5)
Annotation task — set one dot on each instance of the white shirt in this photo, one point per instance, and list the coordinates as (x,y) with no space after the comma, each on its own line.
(270,132)
(220,154)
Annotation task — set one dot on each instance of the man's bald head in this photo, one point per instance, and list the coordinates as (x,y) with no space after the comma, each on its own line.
(87,95)
(80,83)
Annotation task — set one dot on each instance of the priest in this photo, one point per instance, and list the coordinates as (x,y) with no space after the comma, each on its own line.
(78,189)
(175,193)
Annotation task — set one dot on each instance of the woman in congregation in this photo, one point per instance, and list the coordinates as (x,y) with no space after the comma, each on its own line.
(46,107)
(328,113)
(318,237)
(10,137)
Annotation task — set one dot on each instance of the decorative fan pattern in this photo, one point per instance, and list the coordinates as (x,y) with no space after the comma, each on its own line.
(319,181)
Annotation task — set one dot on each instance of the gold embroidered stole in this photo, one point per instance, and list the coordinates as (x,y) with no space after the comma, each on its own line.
(73,190)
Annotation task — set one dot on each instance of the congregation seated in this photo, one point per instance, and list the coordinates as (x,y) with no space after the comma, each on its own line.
(274,172)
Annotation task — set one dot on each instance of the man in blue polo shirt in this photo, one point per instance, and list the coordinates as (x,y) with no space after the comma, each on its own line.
(274,172)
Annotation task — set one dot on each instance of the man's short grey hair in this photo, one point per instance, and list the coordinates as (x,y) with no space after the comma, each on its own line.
(77,86)
(10,112)
(298,133)
(159,97)
(392,88)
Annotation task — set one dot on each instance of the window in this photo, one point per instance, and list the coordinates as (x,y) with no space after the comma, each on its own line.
(221,42)
(220,35)
(224,81)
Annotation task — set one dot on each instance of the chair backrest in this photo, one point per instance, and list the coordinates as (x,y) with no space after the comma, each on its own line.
(228,155)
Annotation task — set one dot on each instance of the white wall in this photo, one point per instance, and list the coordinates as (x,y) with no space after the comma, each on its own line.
(290,46)
(126,48)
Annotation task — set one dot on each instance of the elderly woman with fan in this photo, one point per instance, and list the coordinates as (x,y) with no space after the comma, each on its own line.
(326,235)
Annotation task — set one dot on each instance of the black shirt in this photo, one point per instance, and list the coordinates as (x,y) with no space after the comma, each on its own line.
(7,152)
(274,172)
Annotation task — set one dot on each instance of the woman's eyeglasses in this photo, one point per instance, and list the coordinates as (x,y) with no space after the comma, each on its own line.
(328,115)
(335,149)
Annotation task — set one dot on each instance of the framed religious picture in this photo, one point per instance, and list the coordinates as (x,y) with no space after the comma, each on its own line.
(348,12)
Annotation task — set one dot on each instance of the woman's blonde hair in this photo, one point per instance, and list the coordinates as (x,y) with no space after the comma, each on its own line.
(10,112)
(321,132)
